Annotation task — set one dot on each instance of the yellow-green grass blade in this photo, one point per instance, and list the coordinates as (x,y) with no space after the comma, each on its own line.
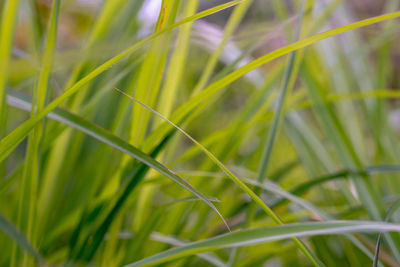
(268,234)
(147,87)
(151,72)
(59,157)
(169,94)
(26,218)
(176,67)
(8,20)
(7,28)
(234,20)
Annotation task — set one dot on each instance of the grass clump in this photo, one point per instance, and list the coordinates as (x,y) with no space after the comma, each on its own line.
(280,118)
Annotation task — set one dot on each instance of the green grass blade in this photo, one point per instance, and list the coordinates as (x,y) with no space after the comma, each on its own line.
(27,207)
(211,258)
(262,235)
(8,20)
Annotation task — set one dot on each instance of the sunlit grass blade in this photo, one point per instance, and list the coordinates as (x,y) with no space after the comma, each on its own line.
(27,220)
(8,21)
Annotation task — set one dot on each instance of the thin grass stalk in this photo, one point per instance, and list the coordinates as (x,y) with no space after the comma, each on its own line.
(230,27)
(27,207)
(7,31)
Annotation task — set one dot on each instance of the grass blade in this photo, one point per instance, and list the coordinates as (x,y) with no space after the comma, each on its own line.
(262,235)
(9,18)
(20,239)
(27,207)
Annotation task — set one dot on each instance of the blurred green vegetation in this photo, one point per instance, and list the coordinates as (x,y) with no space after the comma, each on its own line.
(199,133)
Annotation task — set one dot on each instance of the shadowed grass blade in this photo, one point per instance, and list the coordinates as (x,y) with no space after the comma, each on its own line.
(8,229)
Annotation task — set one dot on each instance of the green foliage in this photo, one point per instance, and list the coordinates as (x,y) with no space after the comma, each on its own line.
(111,142)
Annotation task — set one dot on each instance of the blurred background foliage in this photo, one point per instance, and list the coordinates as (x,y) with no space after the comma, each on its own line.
(336,142)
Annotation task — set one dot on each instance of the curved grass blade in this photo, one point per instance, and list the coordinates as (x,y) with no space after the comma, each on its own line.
(288,196)
(93,240)
(232,176)
(110,139)
(8,143)
(267,234)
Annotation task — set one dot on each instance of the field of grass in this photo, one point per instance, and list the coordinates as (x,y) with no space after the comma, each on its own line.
(199,133)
